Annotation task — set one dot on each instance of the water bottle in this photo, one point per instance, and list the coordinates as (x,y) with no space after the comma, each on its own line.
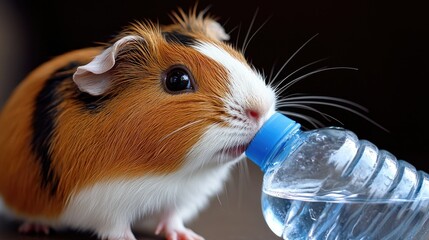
(328,184)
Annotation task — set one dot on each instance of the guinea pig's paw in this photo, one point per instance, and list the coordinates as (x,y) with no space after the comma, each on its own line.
(183,234)
(174,230)
(29,227)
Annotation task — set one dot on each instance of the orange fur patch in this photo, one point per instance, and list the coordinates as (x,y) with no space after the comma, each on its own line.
(133,135)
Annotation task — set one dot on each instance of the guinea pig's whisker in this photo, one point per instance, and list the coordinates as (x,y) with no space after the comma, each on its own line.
(277,85)
(338,103)
(243,180)
(234,29)
(291,57)
(270,77)
(306,107)
(323,69)
(226,22)
(249,37)
(181,128)
(243,171)
(248,30)
(331,105)
(313,121)
(254,34)
(238,34)
(293,97)
(304,102)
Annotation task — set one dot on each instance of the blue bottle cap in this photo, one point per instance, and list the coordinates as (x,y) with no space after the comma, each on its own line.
(273,130)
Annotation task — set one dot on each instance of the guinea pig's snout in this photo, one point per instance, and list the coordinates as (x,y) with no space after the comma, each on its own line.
(257,117)
(259,109)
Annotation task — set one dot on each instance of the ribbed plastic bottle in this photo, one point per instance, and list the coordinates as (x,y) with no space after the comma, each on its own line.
(328,184)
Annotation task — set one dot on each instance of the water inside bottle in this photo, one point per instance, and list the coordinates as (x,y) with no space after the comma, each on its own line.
(317,219)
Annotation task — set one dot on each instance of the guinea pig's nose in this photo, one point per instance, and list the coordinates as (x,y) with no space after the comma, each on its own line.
(253,114)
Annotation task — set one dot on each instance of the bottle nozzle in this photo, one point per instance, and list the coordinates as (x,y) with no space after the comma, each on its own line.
(273,130)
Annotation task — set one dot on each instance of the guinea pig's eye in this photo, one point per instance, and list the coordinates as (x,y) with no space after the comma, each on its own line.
(177,79)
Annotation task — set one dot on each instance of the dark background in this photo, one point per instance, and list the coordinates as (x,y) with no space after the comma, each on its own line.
(387,41)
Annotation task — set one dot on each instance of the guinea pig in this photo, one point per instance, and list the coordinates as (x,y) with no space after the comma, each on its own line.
(140,131)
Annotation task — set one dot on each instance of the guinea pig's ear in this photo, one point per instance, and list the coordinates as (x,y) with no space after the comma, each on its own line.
(94,78)
(215,30)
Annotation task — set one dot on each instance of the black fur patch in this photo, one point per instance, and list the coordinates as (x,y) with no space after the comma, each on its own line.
(44,121)
(45,118)
(91,103)
(175,37)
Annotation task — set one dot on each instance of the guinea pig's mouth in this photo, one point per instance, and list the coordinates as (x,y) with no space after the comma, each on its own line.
(234,151)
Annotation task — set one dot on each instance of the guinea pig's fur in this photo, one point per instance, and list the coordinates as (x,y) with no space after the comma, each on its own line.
(96,140)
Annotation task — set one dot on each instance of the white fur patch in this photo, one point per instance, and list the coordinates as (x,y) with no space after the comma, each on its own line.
(110,207)
(247,87)
(247,92)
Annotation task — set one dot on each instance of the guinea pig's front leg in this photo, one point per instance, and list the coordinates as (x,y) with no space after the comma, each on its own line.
(172,226)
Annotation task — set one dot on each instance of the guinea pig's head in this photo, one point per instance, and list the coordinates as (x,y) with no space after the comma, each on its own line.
(181,97)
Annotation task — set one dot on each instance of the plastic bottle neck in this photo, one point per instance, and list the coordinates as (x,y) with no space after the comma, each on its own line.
(274,131)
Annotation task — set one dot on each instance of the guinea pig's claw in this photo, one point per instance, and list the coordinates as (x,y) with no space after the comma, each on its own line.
(28,227)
